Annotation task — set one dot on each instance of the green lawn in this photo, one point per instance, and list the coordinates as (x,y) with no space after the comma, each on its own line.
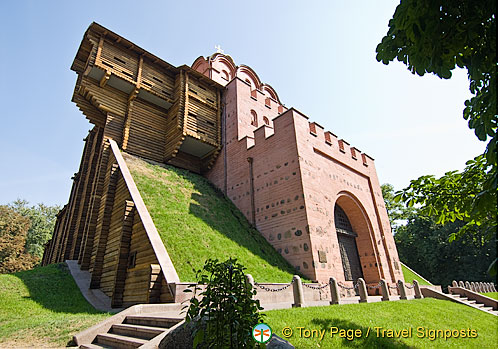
(42,307)
(196,222)
(410,276)
(493,295)
(431,315)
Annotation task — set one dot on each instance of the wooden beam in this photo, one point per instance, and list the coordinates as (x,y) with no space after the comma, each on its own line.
(105,78)
(124,249)
(139,73)
(99,50)
(103,228)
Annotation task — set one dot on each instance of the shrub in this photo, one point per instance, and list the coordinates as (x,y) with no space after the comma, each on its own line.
(226,312)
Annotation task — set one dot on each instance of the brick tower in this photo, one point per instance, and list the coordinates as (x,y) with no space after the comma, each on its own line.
(314,197)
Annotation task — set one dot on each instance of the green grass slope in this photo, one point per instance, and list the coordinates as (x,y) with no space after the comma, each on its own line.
(410,276)
(493,295)
(431,315)
(42,307)
(197,222)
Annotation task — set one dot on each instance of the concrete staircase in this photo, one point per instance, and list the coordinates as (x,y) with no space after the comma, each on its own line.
(135,331)
(475,304)
(140,326)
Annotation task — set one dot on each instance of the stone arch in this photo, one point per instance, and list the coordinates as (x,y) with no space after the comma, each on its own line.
(244,72)
(201,65)
(270,92)
(361,235)
(253,120)
(225,63)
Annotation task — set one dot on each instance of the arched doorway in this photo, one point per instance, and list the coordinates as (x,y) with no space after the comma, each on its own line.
(346,237)
(357,247)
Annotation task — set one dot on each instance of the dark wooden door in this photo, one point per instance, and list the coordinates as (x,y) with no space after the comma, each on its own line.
(350,257)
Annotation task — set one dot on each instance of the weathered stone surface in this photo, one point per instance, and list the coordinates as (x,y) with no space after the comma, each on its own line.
(182,338)
(278,343)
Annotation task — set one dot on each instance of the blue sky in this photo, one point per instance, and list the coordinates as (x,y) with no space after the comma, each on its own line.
(319,57)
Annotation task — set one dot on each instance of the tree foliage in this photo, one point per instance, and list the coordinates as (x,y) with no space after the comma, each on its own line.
(13,231)
(396,210)
(42,219)
(226,304)
(423,245)
(437,36)
(463,196)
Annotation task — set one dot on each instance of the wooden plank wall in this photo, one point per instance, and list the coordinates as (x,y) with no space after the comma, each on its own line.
(99,226)
(148,127)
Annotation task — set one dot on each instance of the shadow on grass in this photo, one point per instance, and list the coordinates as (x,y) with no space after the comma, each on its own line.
(217,211)
(372,341)
(53,288)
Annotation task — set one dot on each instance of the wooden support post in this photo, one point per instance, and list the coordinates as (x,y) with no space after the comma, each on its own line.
(95,281)
(385,290)
(98,59)
(363,292)
(402,290)
(155,283)
(416,288)
(97,191)
(334,291)
(92,185)
(298,293)
(86,184)
(105,78)
(123,253)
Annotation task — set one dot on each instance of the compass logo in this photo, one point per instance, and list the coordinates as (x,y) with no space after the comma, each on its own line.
(262,333)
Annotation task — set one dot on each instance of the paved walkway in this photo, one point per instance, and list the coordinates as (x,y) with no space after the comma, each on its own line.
(94,296)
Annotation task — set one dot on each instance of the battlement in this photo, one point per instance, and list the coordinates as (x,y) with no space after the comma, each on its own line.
(331,140)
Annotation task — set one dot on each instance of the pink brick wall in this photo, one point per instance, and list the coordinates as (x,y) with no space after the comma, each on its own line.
(299,174)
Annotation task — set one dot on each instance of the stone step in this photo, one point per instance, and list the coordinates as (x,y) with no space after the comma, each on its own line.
(121,342)
(137,331)
(94,346)
(152,320)
(487,308)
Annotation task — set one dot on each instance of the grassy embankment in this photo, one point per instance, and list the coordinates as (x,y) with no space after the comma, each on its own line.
(42,307)
(197,222)
(493,295)
(430,315)
(410,276)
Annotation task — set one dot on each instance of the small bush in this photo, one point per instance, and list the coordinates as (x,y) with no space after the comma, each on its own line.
(227,312)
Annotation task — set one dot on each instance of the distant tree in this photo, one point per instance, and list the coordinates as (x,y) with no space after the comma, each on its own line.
(424,246)
(397,211)
(13,231)
(42,218)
